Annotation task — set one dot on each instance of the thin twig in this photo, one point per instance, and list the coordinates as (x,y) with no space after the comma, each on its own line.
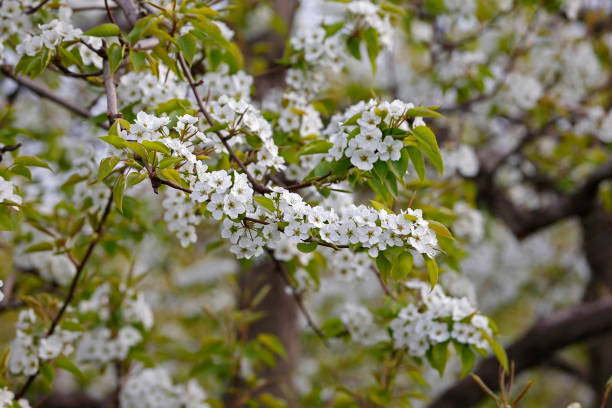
(383,285)
(260,188)
(32,10)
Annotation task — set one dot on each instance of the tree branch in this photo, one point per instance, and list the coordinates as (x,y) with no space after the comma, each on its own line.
(547,336)
(130,9)
(523,222)
(42,91)
(73,285)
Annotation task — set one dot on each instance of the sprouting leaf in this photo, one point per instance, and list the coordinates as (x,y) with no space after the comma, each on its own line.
(440,229)
(104,30)
(39,247)
(417,160)
(265,202)
(428,144)
(316,147)
(188,45)
(432,270)
(423,112)
(115,54)
(31,161)
(273,343)
(118,191)
(106,166)
(307,246)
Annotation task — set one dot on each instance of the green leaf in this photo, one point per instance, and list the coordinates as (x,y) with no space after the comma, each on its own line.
(402,266)
(265,202)
(353,46)
(417,160)
(104,30)
(432,270)
(498,350)
(208,32)
(188,46)
(384,266)
(140,27)
(118,191)
(316,147)
(106,167)
(307,246)
(31,161)
(39,247)
(139,149)
(72,326)
(134,178)
(440,229)
(437,356)
(74,179)
(468,357)
(340,168)
(171,174)
(22,171)
(423,112)
(115,55)
(428,144)
(113,140)
(273,343)
(270,401)
(381,169)
(333,28)
(157,146)
(47,374)
(370,36)
(67,365)
(254,141)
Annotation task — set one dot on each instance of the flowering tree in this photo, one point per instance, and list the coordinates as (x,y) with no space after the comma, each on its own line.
(200,210)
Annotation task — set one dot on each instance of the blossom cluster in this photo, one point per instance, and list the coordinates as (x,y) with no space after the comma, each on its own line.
(153,387)
(12,20)
(142,89)
(32,345)
(436,318)
(49,266)
(363,142)
(360,323)
(7,400)
(52,34)
(7,191)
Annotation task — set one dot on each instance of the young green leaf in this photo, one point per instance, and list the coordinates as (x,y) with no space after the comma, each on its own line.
(104,30)
(118,191)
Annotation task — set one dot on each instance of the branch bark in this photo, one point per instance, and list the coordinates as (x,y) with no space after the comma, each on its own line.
(44,92)
(130,9)
(523,222)
(547,336)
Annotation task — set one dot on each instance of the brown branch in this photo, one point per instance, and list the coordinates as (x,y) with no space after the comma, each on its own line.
(523,222)
(130,9)
(43,91)
(111,93)
(73,285)
(543,340)
(32,10)
(282,270)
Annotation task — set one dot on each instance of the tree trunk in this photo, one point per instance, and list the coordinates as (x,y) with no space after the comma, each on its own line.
(597,242)
(279,309)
